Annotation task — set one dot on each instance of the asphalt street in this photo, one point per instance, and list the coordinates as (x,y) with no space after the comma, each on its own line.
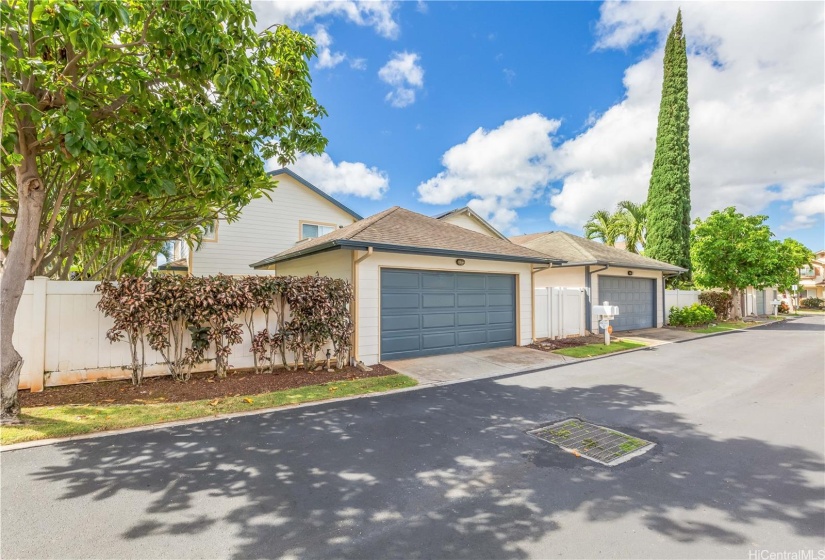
(448,472)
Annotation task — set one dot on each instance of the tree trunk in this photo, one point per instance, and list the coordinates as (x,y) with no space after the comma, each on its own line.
(737,304)
(16,270)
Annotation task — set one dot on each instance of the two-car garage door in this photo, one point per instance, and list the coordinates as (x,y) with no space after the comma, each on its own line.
(636,298)
(429,312)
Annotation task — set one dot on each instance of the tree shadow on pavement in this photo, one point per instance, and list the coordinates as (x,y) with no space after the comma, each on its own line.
(434,473)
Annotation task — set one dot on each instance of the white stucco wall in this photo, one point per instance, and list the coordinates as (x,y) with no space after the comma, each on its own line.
(368,293)
(468,222)
(335,264)
(265,227)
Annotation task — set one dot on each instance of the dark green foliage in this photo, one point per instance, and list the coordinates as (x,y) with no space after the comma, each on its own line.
(691,316)
(720,302)
(668,199)
(812,303)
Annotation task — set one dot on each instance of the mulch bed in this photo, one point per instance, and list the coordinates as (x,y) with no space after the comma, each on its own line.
(200,386)
(548,345)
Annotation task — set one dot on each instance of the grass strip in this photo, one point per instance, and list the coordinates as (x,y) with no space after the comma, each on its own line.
(70,420)
(722,327)
(590,350)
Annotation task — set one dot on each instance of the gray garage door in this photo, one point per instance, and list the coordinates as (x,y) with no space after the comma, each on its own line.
(760,302)
(428,312)
(636,298)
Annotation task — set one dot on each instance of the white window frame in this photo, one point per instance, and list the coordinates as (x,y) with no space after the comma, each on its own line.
(319,225)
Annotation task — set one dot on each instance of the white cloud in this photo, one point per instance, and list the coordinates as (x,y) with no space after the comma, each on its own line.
(352,178)
(501,169)
(326,58)
(806,211)
(755,83)
(378,15)
(404,73)
(358,63)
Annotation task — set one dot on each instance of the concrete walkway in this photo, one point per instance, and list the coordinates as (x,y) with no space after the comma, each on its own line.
(475,365)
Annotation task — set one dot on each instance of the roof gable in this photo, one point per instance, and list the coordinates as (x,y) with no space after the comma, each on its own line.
(300,180)
(400,230)
(467,211)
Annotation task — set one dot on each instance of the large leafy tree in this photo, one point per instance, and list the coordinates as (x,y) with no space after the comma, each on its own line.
(733,251)
(126,123)
(668,198)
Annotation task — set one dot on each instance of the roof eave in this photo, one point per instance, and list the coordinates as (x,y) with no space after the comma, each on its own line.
(674,269)
(389,248)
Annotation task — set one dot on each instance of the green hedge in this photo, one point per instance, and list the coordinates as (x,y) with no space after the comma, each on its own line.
(692,316)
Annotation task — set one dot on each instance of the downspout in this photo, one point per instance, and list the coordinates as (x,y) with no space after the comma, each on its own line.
(355,263)
(533,298)
(588,283)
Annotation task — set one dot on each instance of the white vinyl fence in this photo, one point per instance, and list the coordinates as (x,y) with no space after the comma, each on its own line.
(559,312)
(61,336)
(680,298)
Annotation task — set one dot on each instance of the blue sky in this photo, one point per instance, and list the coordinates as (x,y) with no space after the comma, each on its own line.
(538,113)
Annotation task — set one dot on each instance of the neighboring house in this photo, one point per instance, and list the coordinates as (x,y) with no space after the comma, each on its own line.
(466,218)
(424,286)
(633,282)
(812,278)
(296,211)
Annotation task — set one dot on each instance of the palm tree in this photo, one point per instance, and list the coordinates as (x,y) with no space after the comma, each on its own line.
(631,223)
(601,226)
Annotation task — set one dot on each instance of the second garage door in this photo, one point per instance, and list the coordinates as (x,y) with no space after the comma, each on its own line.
(636,298)
(428,312)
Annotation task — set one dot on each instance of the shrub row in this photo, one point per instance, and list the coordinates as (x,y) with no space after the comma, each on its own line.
(691,316)
(720,302)
(812,303)
(300,315)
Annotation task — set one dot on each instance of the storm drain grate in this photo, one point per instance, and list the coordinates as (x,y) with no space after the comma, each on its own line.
(593,442)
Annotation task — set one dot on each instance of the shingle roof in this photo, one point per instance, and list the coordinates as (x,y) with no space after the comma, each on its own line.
(400,230)
(578,251)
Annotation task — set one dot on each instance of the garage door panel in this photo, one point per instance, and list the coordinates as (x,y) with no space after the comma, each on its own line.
(435,281)
(500,300)
(472,337)
(400,301)
(501,335)
(472,300)
(438,340)
(437,320)
(427,312)
(636,299)
(498,317)
(440,301)
(399,279)
(409,343)
(401,323)
(472,318)
(470,282)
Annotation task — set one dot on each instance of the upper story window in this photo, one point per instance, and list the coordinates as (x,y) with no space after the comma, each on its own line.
(806,271)
(311,231)
(210,231)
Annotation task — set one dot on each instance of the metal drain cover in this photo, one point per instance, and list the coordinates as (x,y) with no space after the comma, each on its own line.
(593,442)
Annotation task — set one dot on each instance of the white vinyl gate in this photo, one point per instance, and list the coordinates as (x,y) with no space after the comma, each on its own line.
(559,312)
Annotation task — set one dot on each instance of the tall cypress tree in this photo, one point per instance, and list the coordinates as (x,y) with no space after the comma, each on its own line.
(668,198)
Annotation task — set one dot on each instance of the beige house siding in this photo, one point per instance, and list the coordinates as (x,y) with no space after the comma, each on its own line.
(468,222)
(561,277)
(335,264)
(265,227)
(368,293)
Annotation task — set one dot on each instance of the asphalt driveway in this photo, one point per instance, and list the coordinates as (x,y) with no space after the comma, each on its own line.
(448,471)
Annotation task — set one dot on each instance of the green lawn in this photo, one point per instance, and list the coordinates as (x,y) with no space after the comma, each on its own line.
(59,421)
(590,350)
(722,327)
